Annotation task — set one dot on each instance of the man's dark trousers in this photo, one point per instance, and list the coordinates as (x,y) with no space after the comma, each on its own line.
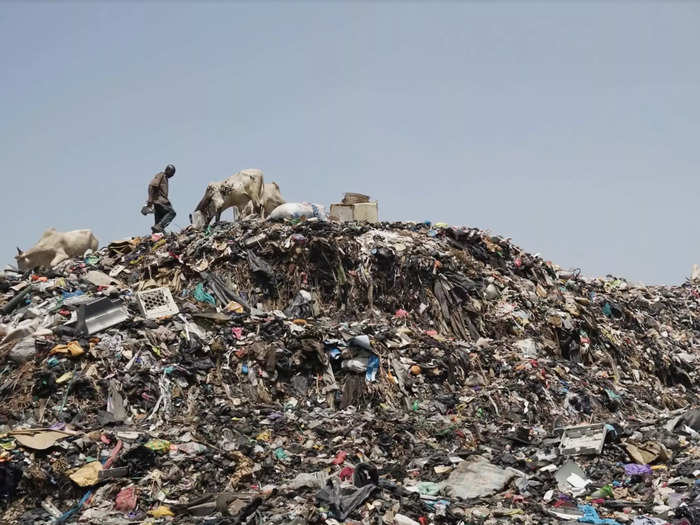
(164,215)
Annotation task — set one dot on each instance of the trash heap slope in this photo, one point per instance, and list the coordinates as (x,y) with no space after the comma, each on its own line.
(303,352)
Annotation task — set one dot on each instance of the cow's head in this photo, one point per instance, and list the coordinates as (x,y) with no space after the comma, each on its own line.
(198,220)
(32,258)
(22,260)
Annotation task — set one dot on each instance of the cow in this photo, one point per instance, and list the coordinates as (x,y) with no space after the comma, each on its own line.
(271,197)
(55,247)
(245,191)
(237,191)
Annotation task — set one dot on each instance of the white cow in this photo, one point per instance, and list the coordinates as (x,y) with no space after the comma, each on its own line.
(271,197)
(246,191)
(54,247)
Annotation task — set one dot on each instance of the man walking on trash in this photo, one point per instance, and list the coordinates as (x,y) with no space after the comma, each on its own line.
(158,199)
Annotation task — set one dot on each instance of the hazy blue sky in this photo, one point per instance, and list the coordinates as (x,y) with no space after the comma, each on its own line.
(571,127)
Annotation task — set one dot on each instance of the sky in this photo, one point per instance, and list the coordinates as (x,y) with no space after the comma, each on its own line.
(570,127)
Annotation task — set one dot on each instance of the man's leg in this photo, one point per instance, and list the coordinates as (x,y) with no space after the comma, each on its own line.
(167,217)
(158,214)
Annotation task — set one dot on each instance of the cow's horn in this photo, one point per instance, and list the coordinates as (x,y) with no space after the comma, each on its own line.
(19,252)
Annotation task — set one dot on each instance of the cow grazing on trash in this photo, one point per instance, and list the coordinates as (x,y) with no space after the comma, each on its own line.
(245,191)
(54,247)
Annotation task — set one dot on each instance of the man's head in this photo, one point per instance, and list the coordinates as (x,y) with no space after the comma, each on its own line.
(169,170)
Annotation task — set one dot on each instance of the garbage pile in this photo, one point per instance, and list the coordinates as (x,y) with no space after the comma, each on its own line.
(305,371)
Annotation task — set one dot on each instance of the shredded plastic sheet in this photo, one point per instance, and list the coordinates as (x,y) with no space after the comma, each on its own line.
(477,478)
(203,296)
(633,469)
(372,368)
(590,515)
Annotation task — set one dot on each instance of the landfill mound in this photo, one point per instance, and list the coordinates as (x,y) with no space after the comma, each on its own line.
(316,372)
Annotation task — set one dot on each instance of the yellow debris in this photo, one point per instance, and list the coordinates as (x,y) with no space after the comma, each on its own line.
(72,348)
(161,511)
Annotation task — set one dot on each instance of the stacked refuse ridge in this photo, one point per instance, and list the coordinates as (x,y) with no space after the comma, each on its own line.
(307,371)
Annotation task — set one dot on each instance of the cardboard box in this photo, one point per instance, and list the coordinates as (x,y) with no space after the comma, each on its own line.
(366,212)
(361,212)
(343,212)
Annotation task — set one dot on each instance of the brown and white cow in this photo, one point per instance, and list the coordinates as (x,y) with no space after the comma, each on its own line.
(54,247)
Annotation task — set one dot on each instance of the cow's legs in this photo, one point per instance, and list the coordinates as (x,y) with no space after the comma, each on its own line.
(248,209)
(60,256)
(217,203)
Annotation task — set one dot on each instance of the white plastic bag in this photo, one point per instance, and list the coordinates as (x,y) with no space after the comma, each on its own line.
(295,210)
